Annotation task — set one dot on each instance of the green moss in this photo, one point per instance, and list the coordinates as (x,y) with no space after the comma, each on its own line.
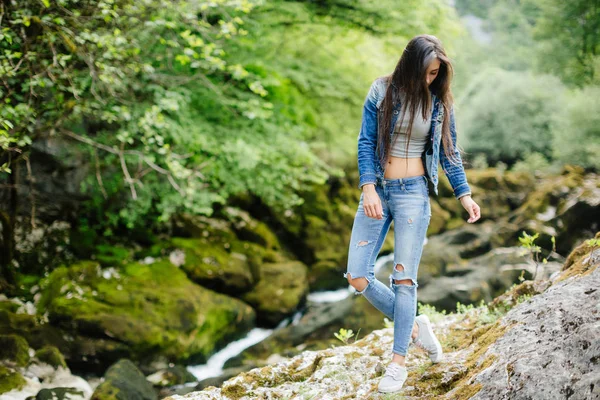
(352,356)
(8,306)
(215,266)
(153,309)
(281,288)
(234,392)
(327,275)
(429,381)
(548,192)
(577,263)
(473,365)
(51,355)
(112,255)
(15,348)
(10,380)
(251,229)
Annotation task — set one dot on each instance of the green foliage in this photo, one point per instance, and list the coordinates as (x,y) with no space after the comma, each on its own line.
(593,242)
(576,131)
(523,114)
(180,106)
(464,309)
(533,162)
(528,243)
(569,44)
(478,8)
(508,115)
(149,91)
(344,335)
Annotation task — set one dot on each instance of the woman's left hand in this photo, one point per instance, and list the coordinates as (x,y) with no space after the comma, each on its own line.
(472,208)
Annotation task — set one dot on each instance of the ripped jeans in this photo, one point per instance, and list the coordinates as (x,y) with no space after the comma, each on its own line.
(406,202)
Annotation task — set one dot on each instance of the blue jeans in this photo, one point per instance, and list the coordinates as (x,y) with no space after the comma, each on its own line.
(406,202)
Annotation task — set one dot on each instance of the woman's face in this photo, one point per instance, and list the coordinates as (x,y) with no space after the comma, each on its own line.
(432,71)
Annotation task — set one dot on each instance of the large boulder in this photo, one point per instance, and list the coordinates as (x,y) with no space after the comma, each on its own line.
(215,267)
(139,311)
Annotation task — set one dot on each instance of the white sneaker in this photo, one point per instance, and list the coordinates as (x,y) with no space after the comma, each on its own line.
(393,379)
(427,340)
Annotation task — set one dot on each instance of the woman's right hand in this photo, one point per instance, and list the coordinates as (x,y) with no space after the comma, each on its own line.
(372,202)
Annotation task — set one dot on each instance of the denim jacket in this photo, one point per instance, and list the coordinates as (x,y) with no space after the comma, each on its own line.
(369,166)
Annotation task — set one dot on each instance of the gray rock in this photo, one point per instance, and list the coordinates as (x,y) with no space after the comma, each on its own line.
(554,351)
(124,381)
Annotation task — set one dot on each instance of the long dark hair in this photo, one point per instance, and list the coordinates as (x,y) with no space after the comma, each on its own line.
(408,83)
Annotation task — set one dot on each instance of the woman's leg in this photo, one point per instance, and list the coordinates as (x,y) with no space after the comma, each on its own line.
(366,240)
(411,210)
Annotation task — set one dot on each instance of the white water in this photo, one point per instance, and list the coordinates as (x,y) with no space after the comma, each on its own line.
(214,365)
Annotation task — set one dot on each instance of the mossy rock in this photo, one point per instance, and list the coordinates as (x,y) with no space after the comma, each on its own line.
(149,311)
(563,206)
(51,355)
(318,231)
(10,380)
(158,249)
(14,348)
(581,261)
(109,255)
(281,289)
(214,266)
(250,229)
(327,275)
(31,327)
(549,192)
(328,240)
(9,306)
(124,381)
(199,226)
(490,179)
(59,393)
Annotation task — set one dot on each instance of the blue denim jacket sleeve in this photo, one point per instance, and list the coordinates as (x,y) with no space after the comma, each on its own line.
(367,139)
(455,173)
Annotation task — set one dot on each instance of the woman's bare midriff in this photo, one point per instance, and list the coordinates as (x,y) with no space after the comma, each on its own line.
(398,167)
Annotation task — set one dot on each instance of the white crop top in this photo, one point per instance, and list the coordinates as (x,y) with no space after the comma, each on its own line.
(418,137)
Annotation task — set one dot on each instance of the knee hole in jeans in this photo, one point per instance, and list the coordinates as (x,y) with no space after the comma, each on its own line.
(359,284)
(400,268)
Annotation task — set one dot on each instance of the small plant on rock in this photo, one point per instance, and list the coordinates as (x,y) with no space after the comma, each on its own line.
(528,243)
(344,335)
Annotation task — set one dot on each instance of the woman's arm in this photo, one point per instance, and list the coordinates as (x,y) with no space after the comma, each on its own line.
(367,139)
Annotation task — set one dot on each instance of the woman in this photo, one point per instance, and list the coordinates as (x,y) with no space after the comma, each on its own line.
(409,148)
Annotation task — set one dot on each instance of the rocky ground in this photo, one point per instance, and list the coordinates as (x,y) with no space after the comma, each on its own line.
(539,340)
